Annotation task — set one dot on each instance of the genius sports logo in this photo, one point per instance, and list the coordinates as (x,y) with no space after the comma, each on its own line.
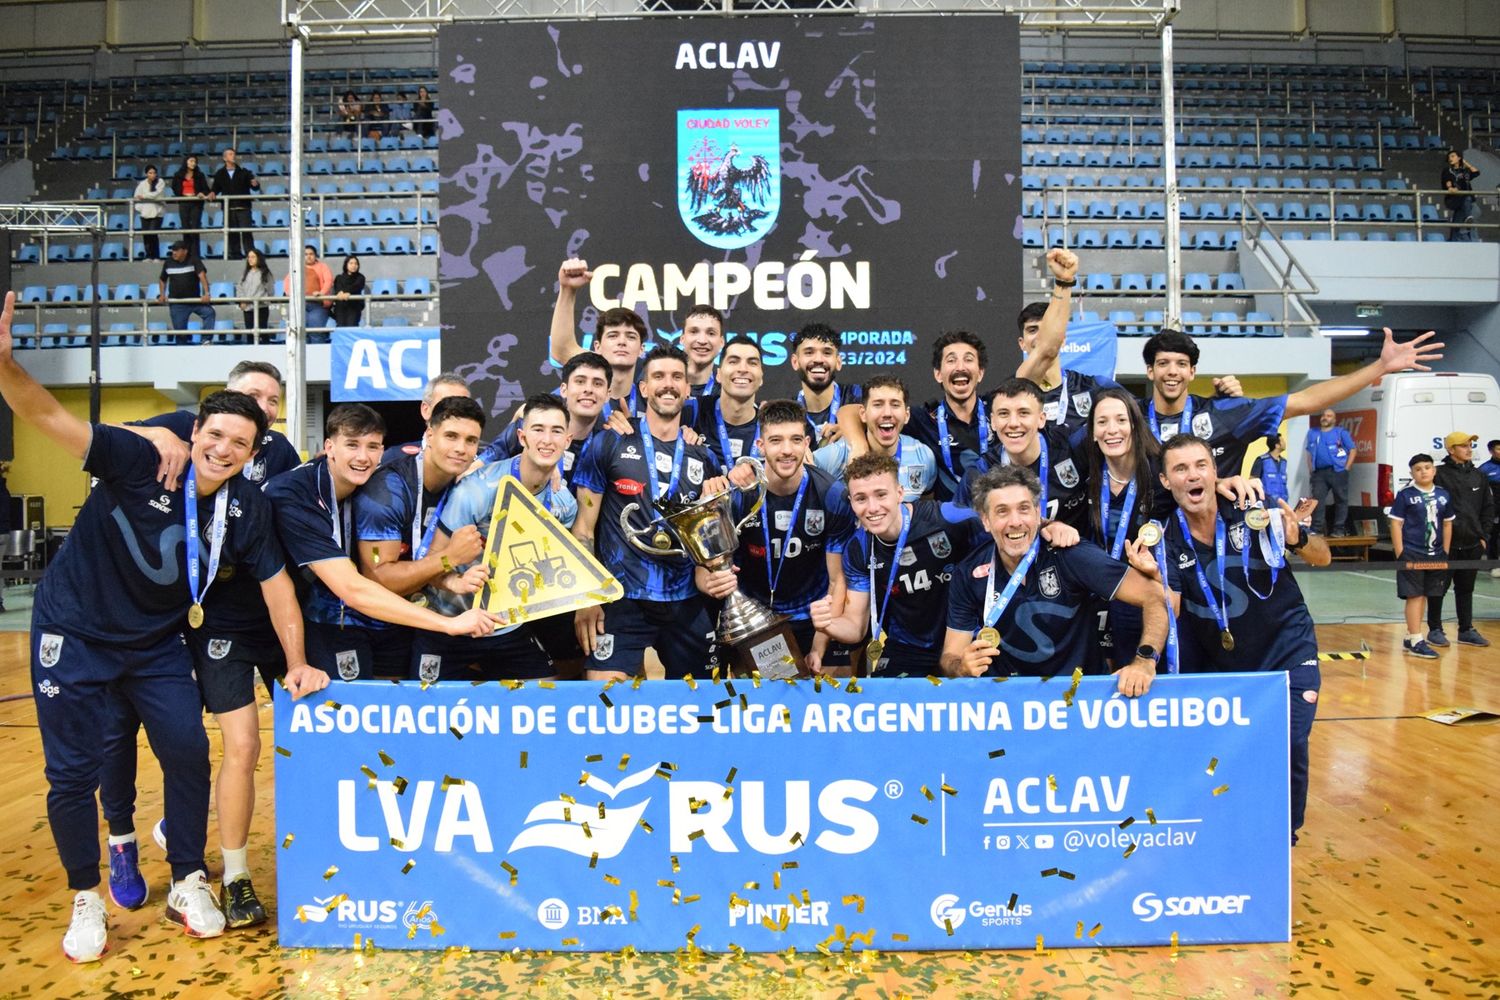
(729,174)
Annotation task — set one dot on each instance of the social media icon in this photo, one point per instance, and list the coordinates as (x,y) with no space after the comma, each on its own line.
(1043,841)
(1002,843)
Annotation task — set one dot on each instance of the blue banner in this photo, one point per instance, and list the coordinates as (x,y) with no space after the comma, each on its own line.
(1090,349)
(894,814)
(380,364)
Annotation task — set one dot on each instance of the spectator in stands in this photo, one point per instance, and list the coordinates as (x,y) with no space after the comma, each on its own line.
(1270,469)
(401,112)
(1330,452)
(1473,512)
(1491,469)
(235,184)
(189,185)
(377,115)
(348,294)
(183,280)
(1458,181)
(150,196)
(350,112)
(317,286)
(422,114)
(256,285)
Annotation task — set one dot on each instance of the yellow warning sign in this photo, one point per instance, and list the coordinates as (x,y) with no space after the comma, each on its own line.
(537,567)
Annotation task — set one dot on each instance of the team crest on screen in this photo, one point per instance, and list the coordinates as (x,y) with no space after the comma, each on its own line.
(1048,582)
(729,174)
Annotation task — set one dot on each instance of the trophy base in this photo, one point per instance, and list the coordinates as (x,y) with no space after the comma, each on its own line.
(772,652)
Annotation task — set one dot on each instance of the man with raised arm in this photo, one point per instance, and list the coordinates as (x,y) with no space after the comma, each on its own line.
(619,337)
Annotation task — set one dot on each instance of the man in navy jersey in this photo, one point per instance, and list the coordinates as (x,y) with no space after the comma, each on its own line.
(791,551)
(1023,436)
(815,359)
(620,335)
(523,651)
(585,393)
(315,522)
(886,413)
(702,339)
(1043,327)
(396,521)
(1421,520)
(1241,608)
(170,432)
(438,388)
(897,567)
(726,421)
(661,607)
(1043,601)
(106,623)
(954,427)
(1229,425)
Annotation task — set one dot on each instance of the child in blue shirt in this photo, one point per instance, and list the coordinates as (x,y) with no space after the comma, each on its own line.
(1421,528)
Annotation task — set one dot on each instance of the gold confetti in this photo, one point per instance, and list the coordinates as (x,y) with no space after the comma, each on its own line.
(523,760)
(948,789)
(1221,790)
(511,870)
(925,791)
(583,778)
(633,902)
(1151,816)
(569,942)
(283,751)
(1174,944)
(331,872)
(691,682)
(898,936)
(645,826)
(753,886)
(1073,690)
(1078,931)
(1040,950)
(1014,898)
(1213,765)
(586,831)
(624,761)
(547,685)
(410,864)
(369,772)
(775,880)
(919,819)
(695,835)
(858,901)
(593,758)
(400,784)
(456,734)
(1094,930)
(796,839)
(449,780)
(507,935)
(1052,782)
(1129,850)
(437,928)
(676,866)
(601,809)
(611,879)
(1046,872)
(997,753)
(1126,822)
(729,780)
(398,844)
(386,758)
(287,841)
(594,859)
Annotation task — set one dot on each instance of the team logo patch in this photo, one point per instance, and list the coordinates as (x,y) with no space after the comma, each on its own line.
(981,571)
(49,649)
(940,545)
(1203,425)
(914,476)
(783,520)
(604,647)
(729,174)
(694,471)
(219,648)
(1237,536)
(1083,404)
(347,663)
(908,556)
(48,688)
(1050,410)
(1048,582)
(1184,560)
(630,452)
(1067,474)
(429,667)
(255,471)
(813,522)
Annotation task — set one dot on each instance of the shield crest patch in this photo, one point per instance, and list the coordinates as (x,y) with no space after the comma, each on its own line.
(604,647)
(218,648)
(729,174)
(429,667)
(1203,425)
(694,471)
(940,545)
(814,522)
(1237,536)
(1067,474)
(1083,404)
(347,662)
(49,649)
(1048,582)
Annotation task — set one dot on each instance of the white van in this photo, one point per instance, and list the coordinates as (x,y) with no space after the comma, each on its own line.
(1408,413)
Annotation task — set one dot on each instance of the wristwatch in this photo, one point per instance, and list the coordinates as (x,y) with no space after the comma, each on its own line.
(1147,653)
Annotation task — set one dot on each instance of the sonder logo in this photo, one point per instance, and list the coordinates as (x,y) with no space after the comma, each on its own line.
(946,912)
(552,914)
(1149,907)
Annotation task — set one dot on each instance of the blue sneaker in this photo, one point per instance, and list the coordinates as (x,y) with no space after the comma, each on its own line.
(1419,648)
(126,886)
(1435,637)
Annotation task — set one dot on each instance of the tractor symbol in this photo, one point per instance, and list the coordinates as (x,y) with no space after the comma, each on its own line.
(534,571)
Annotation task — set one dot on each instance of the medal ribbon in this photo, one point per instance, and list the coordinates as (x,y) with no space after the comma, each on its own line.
(724,441)
(1221,614)
(1184,419)
(1042,469)
(876,600)
(216,532)
(1127,510)
(1161,566)
(995,607)
(421,541)
(943,442)
(833,405)
(1273,542)
(648,441)
(765,527)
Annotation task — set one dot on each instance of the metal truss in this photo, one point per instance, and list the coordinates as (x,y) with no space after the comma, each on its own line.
(353,19)
(39,218)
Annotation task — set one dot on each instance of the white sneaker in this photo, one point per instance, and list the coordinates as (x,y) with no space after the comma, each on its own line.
(88,934)
(192,904)
(159,834)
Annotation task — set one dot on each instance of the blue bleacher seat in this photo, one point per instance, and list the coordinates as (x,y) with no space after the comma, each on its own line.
(423,164)
(221,289)
(341,144)
(1101,210)
(1231,281)
(382,286)
(66,293)
(112,251)
(393,321)
(1192,323)
(416,286)
(361,217)
(367,245)
(1132,283)
(346,166)
(1373,211)
(30,253)
(1345,211)
(278,248)
(1196,281)
(1227,324)
(58,253)
(1158,282)
(1097,282)
(1119,239)
(403,244)
(128,293)
(1124,321)
(1149,239)
(34,293)
(430,243)
(387,215)
(341,246)
(1031,238)
(371,165)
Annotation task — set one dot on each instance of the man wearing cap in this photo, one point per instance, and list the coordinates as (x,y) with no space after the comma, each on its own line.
(1491,470)
(1330,452)
(1473,511)
(184,287)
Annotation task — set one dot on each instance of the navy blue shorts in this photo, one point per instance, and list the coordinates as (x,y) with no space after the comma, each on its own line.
(681,632)
(226,665)
(353,653)
(515,655)
(901,660)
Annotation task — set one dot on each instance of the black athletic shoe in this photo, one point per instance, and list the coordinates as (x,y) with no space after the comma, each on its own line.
(241,905)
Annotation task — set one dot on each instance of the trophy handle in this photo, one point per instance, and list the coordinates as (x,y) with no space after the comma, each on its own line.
(632,535)
(760,499)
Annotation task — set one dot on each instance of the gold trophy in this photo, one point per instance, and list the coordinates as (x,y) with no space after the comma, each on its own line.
(752,636)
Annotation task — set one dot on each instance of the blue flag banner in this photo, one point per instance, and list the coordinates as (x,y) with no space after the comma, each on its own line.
(1090,348)
(893,814)
(380,364)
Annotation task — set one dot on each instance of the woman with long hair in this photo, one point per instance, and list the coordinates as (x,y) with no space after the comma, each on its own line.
(348,292)
(150,196)
(254,288)
(190,185)
(422,114)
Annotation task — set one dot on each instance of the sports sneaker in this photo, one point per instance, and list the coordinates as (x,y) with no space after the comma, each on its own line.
(1495,572)
(192,904)
(159,831)
(1437,638)
(88,933)
(126,886)
(241,905)
(1419,648)
(1471,637)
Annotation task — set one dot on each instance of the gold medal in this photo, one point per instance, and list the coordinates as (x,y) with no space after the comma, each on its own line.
(195,615)
(1258,518)
(225,572)
(1226,640)
(989,635)
(420,600)
(661,539)
(873,651)
(1149,534)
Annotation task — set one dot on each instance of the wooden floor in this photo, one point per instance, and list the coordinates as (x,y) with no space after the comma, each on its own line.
(1396,886)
